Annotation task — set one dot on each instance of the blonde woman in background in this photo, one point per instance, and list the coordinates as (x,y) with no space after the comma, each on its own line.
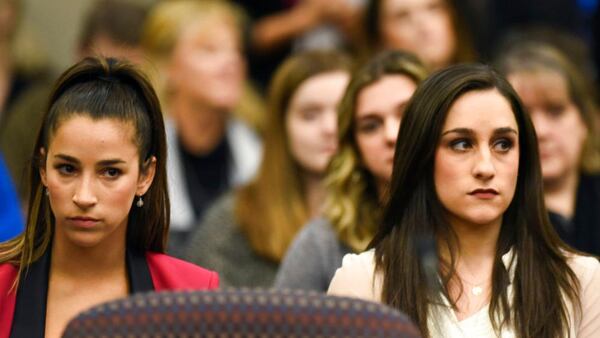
(358,176)
(245,235)
(560,101)
(195,50)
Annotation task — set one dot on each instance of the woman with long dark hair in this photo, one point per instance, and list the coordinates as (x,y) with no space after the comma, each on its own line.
(358,176)
(467,181)
(98,215)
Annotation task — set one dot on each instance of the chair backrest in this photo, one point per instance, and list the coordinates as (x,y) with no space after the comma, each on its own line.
(241,313)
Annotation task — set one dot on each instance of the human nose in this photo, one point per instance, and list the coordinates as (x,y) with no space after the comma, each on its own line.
(540,123)
(330,122)
(84,195)
(392,126)
(484,168)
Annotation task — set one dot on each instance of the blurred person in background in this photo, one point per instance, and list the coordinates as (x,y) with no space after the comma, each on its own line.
(195,54)
(245,235)
(111,28)
(358,176)
(431,29)
(277,28)
(559,99)
(20,67)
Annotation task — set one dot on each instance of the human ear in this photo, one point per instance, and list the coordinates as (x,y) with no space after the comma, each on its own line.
(146,176)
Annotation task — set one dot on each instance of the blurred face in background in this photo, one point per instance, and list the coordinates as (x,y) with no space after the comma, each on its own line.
(559,125)
(311,120)
(423,27)
(102,44)
(379,110)
(207,64)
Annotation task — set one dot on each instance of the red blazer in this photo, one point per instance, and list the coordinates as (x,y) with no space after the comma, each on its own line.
(168,273)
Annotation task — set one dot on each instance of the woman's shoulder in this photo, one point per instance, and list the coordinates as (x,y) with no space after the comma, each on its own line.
(318,229)
(222,209)
(170,273)
(363,261)
(357,277)
(219,218)
(587,268)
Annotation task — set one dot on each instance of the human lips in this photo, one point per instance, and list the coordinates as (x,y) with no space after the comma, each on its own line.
(484,194)
(83,221)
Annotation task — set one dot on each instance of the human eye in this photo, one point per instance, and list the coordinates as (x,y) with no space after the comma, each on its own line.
(111,173)
(555,110)
(461,144)
(503,145)
(368,126)
(65,169)
(309,114)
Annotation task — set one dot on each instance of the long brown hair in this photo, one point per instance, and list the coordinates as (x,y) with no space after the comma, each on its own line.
(352,204)
(273,207)
(99,88)
(413,213)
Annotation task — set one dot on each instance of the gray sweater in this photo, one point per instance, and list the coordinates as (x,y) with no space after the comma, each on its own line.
(219,244)
(312,259)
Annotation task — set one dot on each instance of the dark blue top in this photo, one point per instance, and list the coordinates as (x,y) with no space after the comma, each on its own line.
(582,232)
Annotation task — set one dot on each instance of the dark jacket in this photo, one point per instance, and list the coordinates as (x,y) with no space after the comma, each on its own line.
(583,231)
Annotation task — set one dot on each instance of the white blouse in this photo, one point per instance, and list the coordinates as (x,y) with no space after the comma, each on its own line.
(357,278)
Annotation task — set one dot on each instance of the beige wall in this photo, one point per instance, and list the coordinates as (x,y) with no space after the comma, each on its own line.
(54,25)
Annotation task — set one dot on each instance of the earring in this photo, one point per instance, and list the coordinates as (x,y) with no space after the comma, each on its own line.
(140,202)
(46,192)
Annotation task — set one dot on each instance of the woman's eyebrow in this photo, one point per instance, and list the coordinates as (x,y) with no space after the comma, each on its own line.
(468,131)
(462,131)
(505,130)
(67,158)
(107,162)
(110,162)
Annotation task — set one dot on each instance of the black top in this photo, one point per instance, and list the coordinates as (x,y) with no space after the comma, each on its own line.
(582,231)
(262,65)
(30,308)
(206,176)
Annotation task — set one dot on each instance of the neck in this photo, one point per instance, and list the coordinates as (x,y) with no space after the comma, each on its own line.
(74,261)
(200,127)
(476,248)
(314,193)
(560,194)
